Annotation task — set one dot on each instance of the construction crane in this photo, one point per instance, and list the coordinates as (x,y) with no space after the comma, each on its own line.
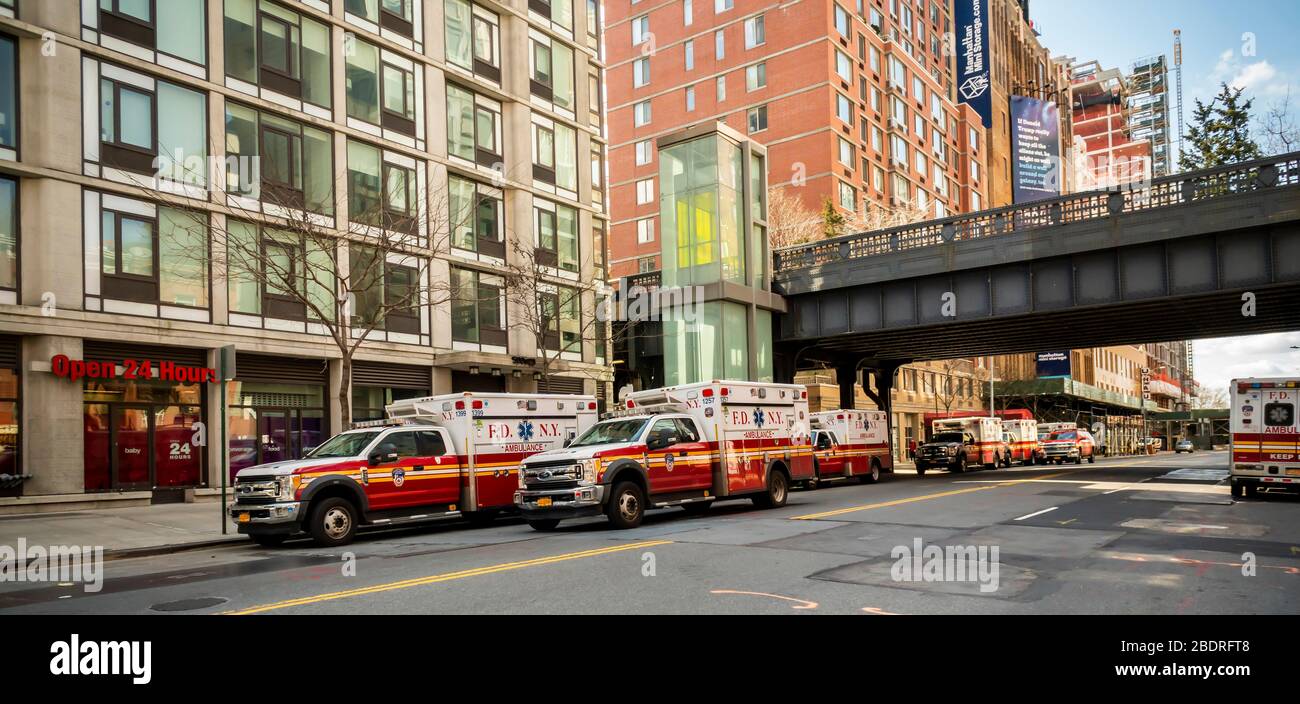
(1178,90)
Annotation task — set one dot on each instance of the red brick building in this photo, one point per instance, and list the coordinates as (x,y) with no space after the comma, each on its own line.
(852,98)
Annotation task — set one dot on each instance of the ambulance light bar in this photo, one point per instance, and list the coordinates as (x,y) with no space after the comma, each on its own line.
(646,410)
(1266,385)
(387,422)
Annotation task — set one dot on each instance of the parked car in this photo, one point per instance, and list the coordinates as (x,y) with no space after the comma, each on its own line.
(1184,445)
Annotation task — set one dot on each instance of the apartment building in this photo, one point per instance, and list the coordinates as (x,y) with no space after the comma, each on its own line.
(853,100)
(1104,152)
(439,144)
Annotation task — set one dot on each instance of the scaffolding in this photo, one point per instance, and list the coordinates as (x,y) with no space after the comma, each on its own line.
(1148,110)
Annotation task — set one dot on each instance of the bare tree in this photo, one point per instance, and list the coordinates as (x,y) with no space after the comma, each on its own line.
(789,221)
(1280,133)
(948,386)
(876,217)
(357,283)
(554,311)
(1211,398)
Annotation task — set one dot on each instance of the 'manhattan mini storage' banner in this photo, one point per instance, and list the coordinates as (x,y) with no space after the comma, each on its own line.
(1035,149)
(973,82)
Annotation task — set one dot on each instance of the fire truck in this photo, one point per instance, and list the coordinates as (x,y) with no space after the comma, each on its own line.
(961,442)
(432,458)
(687,446)
(850,443)
(1265,436)
(1021,436)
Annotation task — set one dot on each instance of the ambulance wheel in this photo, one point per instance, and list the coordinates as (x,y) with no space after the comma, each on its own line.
(873,476)
(777,491)
(269,540)
(333,522)
(816,482)
(626,506)
(1092,459)
(920,470)
(1251,490)
(1238,490)
(1078,460)
(960,467)
(543,524)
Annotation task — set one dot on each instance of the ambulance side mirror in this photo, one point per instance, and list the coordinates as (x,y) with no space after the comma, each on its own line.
(659,442)
(386,452)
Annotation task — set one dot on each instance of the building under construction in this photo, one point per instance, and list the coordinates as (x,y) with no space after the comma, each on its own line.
(1104,153)
(1148,110)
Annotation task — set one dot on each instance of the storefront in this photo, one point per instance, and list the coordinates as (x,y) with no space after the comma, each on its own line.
(10,415)
(277,409)
(377,384)
(141,409)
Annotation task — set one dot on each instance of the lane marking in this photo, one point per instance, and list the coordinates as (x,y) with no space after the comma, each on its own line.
(447,577)
(879,611)
(1037,513)
(803,604)
(923,497)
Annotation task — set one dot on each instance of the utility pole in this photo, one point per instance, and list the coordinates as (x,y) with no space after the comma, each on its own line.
(992,405)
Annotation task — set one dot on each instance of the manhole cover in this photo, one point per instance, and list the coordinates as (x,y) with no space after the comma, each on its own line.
(189,604)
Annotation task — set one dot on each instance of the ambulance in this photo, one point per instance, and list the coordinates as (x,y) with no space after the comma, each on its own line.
(687,446)
(434,457)
(1265,436)
(958,443)
(1021,436)
(850,444)
(1045,430)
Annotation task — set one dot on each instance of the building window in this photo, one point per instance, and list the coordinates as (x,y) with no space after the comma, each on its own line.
(175,27)
(138,125)
(755,32)
(296,161)
(398,15)
(641,113)
(8,234)
(847,156)
(476,212)
(688,12)
(556,235)
(898,149)
(560,315)
(640,29)
(640,72)
(363,89)
(278,49)
(559,12)
(398,99)
(974,170)
(552,72)
(555,154)
(644,152)
(598,250)
(844,109)
(757,119)
(645,191)
(722,5)
(722,88)
(719,45)
(473,127)
(126,126)
(380,193)
(8,98)
(689,48)
(473,38)
(385,293)
(162,258)
(844,67)
(841,21)
(690,99)
(645,230)
(756,76)
(272,273)
(645,265)
(477,308)
(848,197)
(597,178)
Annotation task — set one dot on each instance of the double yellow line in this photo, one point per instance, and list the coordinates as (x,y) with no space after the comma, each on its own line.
(447,577)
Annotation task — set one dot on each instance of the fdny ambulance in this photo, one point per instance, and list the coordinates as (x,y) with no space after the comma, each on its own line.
(682,446)
(850,443)
(1021,436)
(958,443)
(434,457)
(1265,436)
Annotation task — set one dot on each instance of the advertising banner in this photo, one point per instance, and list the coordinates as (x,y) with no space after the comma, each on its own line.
(1053,365)
(973,80)
(1035,149)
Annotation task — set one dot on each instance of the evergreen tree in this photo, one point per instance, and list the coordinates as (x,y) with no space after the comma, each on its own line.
(832,219)
(1220,132)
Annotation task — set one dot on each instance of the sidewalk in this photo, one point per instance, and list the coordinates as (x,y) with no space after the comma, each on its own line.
(123,532)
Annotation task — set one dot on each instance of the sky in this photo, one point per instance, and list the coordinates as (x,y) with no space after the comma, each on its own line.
(1247,43)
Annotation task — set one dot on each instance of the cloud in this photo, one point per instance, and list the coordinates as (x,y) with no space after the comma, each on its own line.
(1258,78)
(1220,360)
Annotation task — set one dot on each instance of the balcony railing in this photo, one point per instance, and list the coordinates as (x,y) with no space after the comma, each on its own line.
(1164,192)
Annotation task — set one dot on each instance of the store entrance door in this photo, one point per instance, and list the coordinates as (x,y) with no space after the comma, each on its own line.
(131,430)
(275,443)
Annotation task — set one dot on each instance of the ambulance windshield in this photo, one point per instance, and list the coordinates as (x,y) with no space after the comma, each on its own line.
(611,431)
(948,437)
(344,445)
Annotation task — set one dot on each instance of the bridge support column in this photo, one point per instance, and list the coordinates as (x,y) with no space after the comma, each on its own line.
(847,375)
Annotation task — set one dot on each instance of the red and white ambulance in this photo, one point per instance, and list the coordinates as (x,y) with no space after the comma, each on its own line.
(1265,435)
(850,443)
(434,457)
(685,446)
(1021,436)
(958,443)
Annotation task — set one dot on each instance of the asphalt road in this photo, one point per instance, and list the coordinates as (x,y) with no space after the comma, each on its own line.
(1125,535)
